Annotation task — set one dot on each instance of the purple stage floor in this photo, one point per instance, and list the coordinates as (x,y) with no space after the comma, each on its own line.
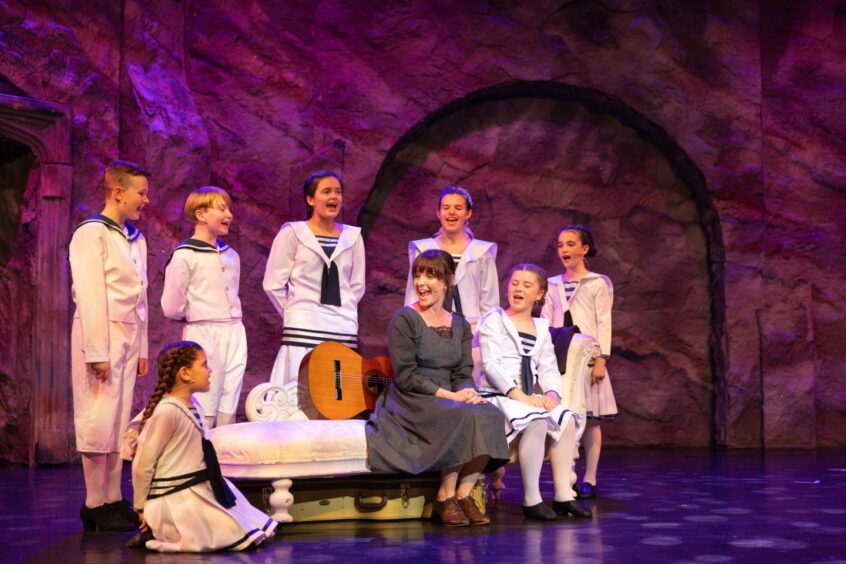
(654,506)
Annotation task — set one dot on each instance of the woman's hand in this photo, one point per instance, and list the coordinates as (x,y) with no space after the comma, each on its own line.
(597,373)
(467,395)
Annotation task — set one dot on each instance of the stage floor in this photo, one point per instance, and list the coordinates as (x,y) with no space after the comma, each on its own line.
(654,506)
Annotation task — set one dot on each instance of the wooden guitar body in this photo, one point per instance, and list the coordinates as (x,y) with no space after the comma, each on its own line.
(341,383)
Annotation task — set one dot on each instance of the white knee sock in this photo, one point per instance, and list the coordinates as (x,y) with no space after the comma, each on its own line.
(530,454)
(561,458)
(114,468)
(593,446)
(94,469)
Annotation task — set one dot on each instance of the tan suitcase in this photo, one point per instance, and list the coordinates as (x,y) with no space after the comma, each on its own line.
(358,497)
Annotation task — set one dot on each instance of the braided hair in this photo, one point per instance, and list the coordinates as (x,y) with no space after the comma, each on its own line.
(171,358)
(585,236)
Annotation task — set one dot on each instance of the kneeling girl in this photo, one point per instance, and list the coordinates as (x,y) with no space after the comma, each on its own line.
(184,502)
(520,376)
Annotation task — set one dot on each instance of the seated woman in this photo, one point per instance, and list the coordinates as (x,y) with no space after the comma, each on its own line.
(432,418)
(520,376)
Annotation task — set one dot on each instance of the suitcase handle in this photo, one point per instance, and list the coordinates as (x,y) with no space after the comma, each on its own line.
(363,504)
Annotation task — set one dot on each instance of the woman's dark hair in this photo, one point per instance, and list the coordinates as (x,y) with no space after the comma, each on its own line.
(437,263)
(585,236)
(310,187)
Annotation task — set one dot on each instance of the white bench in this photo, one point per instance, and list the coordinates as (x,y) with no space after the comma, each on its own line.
(285,450)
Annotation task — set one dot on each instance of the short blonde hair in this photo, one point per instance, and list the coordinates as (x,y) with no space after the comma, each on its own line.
(202,199)
(118,173)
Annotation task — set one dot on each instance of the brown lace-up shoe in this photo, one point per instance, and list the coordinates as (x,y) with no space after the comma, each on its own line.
(449,513)
(474,514)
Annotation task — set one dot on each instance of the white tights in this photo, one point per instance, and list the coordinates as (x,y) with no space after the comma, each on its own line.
(593,446)
(530,453)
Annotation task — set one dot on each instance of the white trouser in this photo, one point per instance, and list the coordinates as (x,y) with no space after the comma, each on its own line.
(225,343)
(101,410)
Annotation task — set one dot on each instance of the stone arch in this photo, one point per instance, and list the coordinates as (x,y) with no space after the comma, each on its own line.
(649,132)
(45,128)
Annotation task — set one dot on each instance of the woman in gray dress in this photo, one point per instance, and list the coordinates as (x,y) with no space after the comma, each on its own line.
(432,418)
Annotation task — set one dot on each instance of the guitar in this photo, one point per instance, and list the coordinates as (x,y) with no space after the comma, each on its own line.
(342,383)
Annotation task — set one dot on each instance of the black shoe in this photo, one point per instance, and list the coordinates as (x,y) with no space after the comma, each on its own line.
(103,518)
(125,511)
(586,490)
(540,512)
(140,540)
(571,508)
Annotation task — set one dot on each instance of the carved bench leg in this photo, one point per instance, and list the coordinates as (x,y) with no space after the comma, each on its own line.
(281,500)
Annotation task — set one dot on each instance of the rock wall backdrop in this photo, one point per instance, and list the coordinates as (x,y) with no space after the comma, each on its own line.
(702,141)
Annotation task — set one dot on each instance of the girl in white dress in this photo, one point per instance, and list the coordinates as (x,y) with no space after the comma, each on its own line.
(184,503)
(521,378)
(476,289)
(583,298)
(315,279)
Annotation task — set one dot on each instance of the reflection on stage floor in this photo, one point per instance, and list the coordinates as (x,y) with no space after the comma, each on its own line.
(653,506)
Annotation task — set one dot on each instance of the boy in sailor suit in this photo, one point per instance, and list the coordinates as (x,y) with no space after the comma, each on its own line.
(108,260)
(201,287)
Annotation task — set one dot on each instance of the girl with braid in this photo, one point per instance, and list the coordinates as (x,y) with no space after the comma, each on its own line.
(583,298)
(184,503)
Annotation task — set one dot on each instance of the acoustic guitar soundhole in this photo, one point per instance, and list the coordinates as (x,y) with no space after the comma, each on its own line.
(375,384)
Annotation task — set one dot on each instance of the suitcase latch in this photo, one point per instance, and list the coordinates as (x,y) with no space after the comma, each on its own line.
(405,495)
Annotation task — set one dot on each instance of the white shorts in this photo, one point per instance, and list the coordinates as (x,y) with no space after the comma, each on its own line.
(101,410)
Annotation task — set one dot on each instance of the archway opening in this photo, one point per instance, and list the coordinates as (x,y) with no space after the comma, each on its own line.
(537,156)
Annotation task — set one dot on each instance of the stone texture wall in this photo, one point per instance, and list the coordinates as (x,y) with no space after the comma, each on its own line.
(253,97)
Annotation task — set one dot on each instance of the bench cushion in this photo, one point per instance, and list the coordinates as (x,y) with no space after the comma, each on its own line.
(291,449)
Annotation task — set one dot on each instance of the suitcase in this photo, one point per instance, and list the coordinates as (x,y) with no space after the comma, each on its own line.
(366,497)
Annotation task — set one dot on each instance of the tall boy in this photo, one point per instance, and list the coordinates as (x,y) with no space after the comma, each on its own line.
(201,286)
(108,259)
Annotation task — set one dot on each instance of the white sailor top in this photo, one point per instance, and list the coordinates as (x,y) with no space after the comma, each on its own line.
(294,277)
(589,306)
(109,270)
(503,355)
(201,282)
(475,277)
(169,449)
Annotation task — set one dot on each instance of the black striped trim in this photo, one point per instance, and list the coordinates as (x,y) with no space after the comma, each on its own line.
(249,536)
(194,478)
(611,417)
(534,414)
(303,330)
(353,344)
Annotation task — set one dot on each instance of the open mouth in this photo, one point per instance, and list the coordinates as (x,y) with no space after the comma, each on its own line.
(423,292)
(517,299)
(333,206)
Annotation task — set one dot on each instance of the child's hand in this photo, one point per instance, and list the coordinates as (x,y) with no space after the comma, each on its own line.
(101,370)
(143,366)
(597,373)
(144,526)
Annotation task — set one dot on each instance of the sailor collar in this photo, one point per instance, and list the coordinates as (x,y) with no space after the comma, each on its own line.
(202,247)
(131,232)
